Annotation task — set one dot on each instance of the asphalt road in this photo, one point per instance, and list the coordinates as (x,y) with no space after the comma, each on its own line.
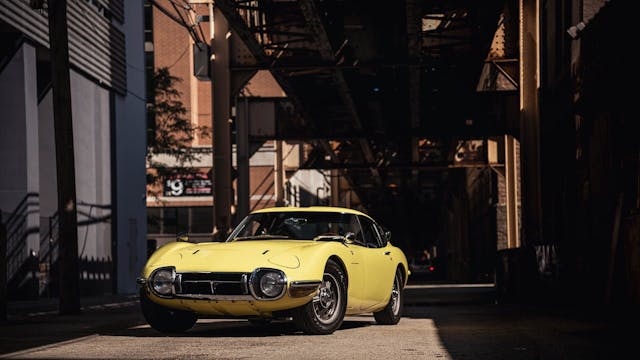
(470,328)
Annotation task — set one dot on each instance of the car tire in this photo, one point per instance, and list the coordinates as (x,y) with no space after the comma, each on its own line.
(164,319)
(392,313)
(325,313)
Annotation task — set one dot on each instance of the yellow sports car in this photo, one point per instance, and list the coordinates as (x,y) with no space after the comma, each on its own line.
(312,264)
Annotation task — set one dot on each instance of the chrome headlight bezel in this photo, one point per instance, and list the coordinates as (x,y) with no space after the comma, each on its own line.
(170,283)
(255,281)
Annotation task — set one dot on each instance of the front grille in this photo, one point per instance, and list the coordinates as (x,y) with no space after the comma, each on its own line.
(216,284)
(202,288)
(212,276)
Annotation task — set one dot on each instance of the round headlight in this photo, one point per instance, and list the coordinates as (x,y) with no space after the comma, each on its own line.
(271,284)
(162,281)
(267,284)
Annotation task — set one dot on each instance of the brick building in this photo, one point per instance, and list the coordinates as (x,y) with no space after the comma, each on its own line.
(184,202)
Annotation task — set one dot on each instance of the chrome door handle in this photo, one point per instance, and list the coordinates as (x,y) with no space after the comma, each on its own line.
(387,252)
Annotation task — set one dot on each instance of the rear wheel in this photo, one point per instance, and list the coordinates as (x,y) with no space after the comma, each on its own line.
(325,313)
(392,313)
(165,319)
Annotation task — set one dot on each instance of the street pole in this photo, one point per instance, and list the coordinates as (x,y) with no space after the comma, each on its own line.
(69,274)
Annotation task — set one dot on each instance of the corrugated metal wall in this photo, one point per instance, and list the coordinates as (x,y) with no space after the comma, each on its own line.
(96,45)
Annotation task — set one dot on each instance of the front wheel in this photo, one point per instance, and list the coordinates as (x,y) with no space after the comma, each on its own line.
(325,313)
(165,319)
(392,313)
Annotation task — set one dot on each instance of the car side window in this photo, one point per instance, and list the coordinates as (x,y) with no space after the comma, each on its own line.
(370,235)
(381,235)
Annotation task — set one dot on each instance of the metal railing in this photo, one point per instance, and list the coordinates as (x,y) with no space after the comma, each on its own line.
(32,272)
(48,252)
(16,229)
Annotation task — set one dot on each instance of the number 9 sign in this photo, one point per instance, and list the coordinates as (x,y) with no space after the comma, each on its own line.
(176,187)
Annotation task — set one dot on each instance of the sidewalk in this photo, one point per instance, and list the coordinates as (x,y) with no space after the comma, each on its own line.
(49,306)
(37,323)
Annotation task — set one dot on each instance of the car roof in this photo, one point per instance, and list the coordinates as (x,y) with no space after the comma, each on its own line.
(332,209)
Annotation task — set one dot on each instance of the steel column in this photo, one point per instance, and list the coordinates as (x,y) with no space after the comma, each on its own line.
(221,92)
(335,188)
(278,171)
(242,139)
(530,120)
(511,180)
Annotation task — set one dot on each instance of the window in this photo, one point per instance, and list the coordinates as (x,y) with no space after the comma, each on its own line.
(370,235)
(382,234)
(202,219)
(172,220)
(154,217)
(169,221)
(296,225)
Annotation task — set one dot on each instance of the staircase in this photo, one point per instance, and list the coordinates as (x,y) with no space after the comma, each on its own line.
(22,265)
(33,273)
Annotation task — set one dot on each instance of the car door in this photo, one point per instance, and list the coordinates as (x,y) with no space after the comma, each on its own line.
(379,267)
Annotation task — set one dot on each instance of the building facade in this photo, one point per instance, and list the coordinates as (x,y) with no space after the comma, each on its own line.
(108,112)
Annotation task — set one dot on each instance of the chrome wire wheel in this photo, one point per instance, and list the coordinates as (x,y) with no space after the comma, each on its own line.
(391,314)
(325,312)
(395,296)
(326,304)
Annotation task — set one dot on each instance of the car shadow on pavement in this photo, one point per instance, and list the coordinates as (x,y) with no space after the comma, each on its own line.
(229,328)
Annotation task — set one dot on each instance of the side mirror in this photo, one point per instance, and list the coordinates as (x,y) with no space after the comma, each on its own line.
(182,237)
(387,235)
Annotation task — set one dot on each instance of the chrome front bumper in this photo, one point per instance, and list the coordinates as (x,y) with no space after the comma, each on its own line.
(295,289)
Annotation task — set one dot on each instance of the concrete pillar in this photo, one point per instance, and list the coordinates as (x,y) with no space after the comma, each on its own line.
(19,141)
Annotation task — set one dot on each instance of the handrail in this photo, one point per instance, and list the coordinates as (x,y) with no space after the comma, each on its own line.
(17,233)
(18,209)
(49,240)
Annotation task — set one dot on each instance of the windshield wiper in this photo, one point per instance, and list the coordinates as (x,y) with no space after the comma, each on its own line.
(261,237)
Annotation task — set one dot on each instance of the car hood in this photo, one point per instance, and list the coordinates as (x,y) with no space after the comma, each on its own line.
(241,256)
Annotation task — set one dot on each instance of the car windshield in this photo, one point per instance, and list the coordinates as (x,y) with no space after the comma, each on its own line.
(297,225)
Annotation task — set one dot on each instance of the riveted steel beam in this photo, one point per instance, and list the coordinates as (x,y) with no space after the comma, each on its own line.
(240,28)
(314,23)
